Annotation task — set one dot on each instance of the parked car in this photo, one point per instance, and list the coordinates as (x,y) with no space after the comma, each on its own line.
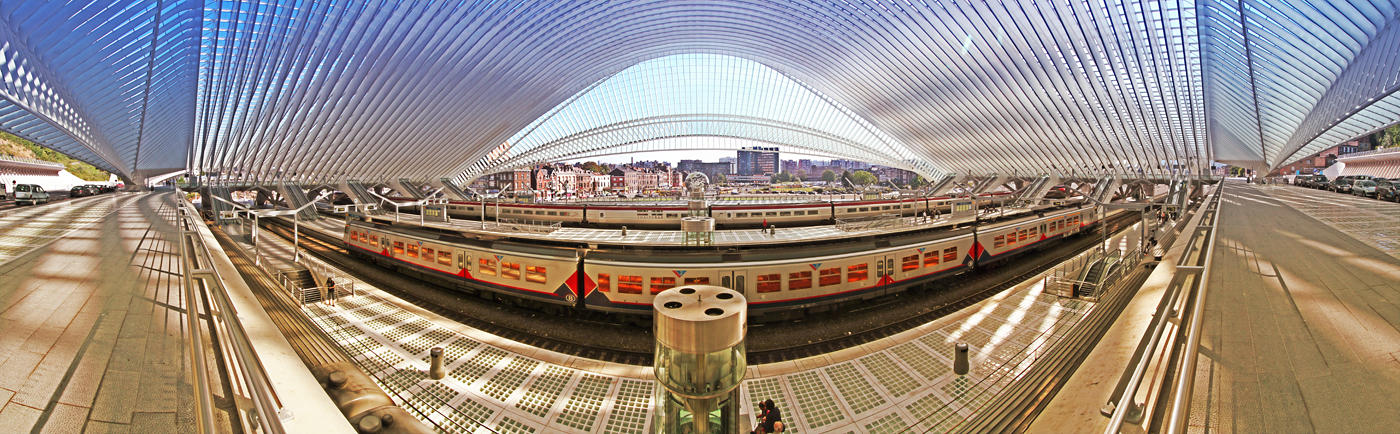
(31,194)
(77,191)
(1318,182)
(1341,184)
(3,194)
(1364,188)
(1387,190)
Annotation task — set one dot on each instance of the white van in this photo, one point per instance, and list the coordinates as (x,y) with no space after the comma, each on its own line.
(33,194)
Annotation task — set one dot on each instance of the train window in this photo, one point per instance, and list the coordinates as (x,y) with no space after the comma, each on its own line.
(444,257)
(697,281)
(413,250)
(629,284)
(1034,232)
(785,213)
(510,270)
(398,247)
(374,238)
(931,258)
(800,280)
(1021,235)
(659,284)
(830,276)
(428,254)
(864,209)
(812,212)
(769,282)
(911,262)
(772,214)
(858,272)
(1011,238)
(534,273)
(742,214)
(604,282)
(999,241)
(950,254)
(487,266)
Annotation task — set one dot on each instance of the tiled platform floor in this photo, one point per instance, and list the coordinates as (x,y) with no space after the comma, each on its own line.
(90,325)
(903,381)
(1374,222)
(1302,325)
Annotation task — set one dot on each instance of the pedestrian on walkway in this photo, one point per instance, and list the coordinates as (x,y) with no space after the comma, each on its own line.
(330,291)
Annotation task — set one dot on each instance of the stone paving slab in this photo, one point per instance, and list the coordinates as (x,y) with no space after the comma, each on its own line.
(501,385)
(1302,321)
(89,319)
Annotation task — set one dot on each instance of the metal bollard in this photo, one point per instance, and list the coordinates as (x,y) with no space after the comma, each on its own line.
(960,359)
(436,372)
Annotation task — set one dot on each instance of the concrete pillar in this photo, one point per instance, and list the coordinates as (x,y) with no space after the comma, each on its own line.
(700,358)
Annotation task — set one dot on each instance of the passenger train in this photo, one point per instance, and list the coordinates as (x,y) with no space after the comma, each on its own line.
(726,216)
(774,279)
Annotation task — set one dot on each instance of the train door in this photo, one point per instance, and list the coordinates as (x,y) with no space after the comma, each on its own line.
(733,280)
(884,266)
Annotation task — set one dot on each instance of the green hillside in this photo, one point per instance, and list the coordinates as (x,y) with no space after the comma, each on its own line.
(15,146)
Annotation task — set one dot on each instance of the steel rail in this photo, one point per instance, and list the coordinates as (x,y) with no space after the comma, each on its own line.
(204,401)
(1172,297)
(244,359)
(1186,374)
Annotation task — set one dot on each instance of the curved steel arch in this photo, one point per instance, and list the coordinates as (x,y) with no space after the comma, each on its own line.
(398,88)
(691,91)
(638,135)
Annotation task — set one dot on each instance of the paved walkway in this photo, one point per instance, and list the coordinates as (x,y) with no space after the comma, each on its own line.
(90,328)
(885,386)
(1302,325)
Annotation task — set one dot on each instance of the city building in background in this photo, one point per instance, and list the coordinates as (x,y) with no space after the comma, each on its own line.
(758,160)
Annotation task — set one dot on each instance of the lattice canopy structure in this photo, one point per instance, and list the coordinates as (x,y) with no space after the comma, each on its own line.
(319,90)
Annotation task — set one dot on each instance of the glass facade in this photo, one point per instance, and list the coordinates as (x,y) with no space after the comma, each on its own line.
(319,90)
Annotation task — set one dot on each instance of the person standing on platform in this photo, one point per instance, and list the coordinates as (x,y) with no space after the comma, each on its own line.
(330,291)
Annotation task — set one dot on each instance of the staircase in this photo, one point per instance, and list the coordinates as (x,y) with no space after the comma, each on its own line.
(452,188)
(1091,279)
(1104,188)
(1033,192)
(296,198)
(410,189)
(219,207)
(361,195)
(297,281)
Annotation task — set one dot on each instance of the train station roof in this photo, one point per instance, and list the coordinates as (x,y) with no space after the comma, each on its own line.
(355,89)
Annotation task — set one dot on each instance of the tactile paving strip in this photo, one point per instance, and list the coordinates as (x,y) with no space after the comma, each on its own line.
(490,387)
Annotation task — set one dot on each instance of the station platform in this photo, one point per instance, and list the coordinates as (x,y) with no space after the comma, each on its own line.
(1302,325)
(91,336)
(675,237)
(896,384)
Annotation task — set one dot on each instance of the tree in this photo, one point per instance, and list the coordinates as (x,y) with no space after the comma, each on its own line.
(784,177)
(828,175)
(719,179)
(862,177)
(918,182)
(1389,137)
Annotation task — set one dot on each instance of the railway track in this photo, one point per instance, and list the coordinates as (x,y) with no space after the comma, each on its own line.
(599,336)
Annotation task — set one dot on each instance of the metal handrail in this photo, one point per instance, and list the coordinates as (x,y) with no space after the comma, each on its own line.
(204,398)
(1186,375)
(1139,365)
(245,360)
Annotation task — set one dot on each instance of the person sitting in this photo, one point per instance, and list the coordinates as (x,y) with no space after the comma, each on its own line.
(771,420)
